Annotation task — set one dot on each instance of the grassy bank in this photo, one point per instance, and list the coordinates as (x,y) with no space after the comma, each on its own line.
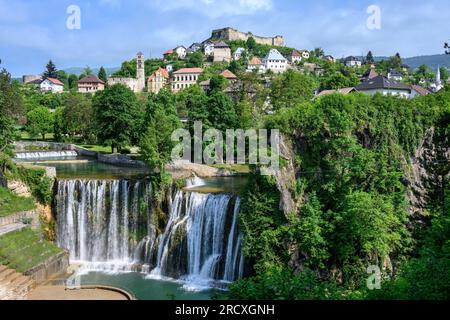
(23,250)
(11,203)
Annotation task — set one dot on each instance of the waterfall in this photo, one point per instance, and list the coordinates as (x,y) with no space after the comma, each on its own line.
(45,155)
(109,225)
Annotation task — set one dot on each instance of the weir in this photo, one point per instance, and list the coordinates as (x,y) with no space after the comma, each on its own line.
(111,225)
(45,155)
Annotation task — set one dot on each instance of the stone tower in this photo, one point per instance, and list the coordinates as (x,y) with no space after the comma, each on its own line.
(140,72)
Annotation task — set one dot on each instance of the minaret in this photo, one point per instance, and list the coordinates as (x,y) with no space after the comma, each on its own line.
(140,72)
(438,78)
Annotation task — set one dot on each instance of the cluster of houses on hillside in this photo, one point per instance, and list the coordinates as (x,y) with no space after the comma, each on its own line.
(372,83)
(216,50)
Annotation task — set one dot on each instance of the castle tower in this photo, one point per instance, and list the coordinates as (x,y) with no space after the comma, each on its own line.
(140,72)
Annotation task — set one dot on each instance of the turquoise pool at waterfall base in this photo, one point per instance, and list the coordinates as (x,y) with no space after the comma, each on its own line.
(144,288)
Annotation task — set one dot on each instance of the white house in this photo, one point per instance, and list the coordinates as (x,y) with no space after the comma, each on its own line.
(195,47)
(295,57)
(238,53)
(185,78)
(180,51)
(169,68)
(208,48)
(395,75)
(352,62)
(275,61)
(383,85)
(255,64)
(305,54)
(51,85)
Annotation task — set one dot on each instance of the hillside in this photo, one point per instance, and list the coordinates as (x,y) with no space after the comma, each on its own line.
(433,61)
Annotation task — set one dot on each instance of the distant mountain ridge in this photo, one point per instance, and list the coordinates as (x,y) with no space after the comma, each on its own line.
(432,61)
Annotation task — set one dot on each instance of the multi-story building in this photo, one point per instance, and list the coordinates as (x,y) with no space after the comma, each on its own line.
(222,52)
(90,84)
(275,61)
(158,80)
(185,78)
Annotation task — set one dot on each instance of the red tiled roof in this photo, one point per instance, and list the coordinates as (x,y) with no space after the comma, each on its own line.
(189,70)
(228,74)
(295,53)
(163,72)
(255,61)
(168,52)
(420,90)
(342,91)
(55,81)
(90,79)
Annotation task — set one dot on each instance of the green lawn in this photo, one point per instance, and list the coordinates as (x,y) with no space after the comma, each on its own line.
(10,203)
(23,250)
(26,136)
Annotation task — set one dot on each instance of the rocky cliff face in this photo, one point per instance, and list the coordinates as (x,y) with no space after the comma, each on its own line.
(425,172)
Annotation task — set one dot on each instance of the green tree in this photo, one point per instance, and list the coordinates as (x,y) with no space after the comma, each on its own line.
(51,71)
(72,81)
(218,83)
(221,112)
(195,60)
(118,116)
(369,58)
(39,122)
(444,74)
(161,121)
(63,77)
(251,44)
(78,117)
(10,108)
(102,75)
(291,88)
(58,124)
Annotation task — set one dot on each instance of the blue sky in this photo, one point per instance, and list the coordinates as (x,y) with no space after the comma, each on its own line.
(32,32)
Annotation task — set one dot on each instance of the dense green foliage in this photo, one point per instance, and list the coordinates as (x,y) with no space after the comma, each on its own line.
(40,122)
(160,121)
(351,167)
(119,116)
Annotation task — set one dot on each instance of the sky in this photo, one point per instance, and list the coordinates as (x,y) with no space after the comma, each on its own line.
(111,31)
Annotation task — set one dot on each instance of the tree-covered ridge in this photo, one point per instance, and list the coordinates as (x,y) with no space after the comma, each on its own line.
(353,156)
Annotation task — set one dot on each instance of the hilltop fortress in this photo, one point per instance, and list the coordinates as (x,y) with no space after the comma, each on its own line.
(230,34)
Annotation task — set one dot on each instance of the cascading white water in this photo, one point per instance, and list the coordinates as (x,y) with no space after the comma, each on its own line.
(108,225)
(45,155)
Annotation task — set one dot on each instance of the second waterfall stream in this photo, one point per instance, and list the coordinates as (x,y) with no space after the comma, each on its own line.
(111,226)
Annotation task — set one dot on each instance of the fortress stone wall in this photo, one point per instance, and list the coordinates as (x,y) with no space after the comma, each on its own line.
(230,34)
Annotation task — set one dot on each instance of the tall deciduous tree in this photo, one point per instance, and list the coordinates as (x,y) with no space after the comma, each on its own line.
(161,121)
(119,116)
(292,88)
(10,107)
(39,122)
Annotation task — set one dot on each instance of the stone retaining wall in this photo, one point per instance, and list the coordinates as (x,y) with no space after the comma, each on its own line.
(19,218)
(53,267)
